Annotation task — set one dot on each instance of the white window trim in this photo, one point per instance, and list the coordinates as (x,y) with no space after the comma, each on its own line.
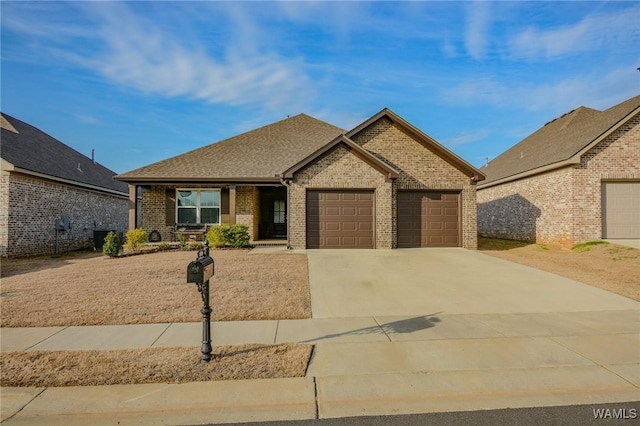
(198,207)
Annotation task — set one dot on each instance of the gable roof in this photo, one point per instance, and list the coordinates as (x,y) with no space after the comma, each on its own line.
(29,150)
(258,155)
(366,156)
(423,138)
(559,143)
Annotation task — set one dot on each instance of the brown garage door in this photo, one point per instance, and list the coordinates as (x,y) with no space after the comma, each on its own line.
(339,219)
(621,210)
(428,219)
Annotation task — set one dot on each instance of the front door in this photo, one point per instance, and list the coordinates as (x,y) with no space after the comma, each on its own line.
(273,212)
(279,218)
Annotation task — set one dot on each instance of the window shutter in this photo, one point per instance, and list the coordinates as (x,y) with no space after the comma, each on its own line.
(170,207)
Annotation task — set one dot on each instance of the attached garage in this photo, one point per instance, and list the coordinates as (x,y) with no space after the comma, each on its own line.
(340,219)
(428,219)
(621,210)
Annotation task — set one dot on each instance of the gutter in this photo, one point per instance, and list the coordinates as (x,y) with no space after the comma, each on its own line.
(69,182)
(570,162)
(181,180)
(287,184)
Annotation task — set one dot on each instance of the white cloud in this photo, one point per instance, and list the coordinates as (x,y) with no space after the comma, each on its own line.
(592,32)
(142,56)
(594,90)
(465,137)
(145,53)
(478,29)
(87,119)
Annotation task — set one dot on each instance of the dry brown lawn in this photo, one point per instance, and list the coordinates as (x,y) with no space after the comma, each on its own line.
(152,365)
(91,289)
(609,266)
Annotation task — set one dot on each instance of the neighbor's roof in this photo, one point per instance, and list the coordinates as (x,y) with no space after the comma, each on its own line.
(258,155)
(30,150)
(559,142)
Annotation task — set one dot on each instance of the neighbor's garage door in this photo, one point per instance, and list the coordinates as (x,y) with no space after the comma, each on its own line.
(428,219)
(621,210)
(339,219)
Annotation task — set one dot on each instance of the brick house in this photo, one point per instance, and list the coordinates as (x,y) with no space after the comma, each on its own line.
(52,197)
(576,179)
(309,184)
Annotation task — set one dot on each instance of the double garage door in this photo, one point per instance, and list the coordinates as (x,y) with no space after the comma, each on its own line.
(345,219)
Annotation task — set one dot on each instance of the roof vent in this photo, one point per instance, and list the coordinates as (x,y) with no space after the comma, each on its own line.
(521,154)
(79,169)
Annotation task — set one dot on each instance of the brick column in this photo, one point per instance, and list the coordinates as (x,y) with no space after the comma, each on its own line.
(133,206)
(232,205)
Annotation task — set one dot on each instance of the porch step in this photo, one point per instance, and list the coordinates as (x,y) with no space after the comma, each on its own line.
(269,243)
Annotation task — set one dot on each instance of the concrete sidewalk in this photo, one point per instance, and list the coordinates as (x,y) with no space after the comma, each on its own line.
(360,366)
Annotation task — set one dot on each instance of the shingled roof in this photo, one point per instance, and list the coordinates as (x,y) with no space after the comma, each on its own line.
(558,143)
(32,151)
(258,155)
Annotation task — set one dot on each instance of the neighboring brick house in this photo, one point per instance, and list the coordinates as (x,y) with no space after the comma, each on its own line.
(576,179)
(309,184)
(45,185)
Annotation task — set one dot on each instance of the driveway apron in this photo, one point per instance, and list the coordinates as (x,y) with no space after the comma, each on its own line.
(408,282)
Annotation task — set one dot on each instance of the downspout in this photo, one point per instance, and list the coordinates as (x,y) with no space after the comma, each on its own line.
(287,184)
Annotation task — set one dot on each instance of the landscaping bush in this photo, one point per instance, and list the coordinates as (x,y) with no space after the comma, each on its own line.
(164,246)
(228,236)
(112,245)
(135,238)
(182,238)
(193,246)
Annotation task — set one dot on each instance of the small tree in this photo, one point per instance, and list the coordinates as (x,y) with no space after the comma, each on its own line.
(134,239)
(112,245)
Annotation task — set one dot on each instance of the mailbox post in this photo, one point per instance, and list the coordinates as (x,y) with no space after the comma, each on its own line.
(199,272)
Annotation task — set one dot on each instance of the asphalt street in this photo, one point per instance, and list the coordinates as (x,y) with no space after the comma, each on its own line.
(626,413)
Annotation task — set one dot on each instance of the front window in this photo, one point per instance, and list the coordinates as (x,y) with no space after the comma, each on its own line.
(198,206)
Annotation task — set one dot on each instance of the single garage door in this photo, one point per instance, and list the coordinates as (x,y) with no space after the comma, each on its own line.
(621,210)
(339,219)
(428,219)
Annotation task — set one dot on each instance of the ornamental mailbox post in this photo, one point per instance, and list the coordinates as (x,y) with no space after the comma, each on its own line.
(199,272)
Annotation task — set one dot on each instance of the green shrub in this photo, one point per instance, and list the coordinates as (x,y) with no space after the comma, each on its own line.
(194,245)
(112,245)
(134,239)
(238,235)
(228,236)
(163,246)
(182,238)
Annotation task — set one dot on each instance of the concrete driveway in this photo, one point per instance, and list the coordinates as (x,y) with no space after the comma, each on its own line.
(412,282)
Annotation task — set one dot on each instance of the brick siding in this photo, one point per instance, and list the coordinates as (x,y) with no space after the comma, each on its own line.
(561,207)
(30,207)
(246,199)
(420,168)
(153,216)
(154,210)
(342,169)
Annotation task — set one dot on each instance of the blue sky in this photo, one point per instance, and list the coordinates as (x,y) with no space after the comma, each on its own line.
(143,81)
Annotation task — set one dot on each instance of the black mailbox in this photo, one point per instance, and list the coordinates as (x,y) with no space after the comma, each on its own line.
(200,270)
